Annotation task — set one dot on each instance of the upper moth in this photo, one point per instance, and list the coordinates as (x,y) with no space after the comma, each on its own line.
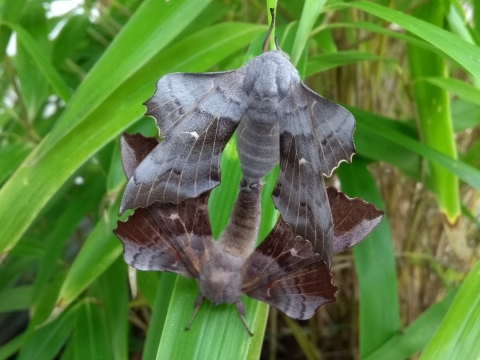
(282,271)
(279,120)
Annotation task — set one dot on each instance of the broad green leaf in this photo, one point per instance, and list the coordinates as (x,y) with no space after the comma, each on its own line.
(414,338)
(374,264)
(216,333)
(458,334)
(464,53)
(33,180)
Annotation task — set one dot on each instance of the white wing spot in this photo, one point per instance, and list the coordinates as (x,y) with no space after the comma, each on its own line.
(293,252)
(302,161)
(173,216)
(194,134)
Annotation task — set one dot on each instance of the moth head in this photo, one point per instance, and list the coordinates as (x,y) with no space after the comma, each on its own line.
(220,279)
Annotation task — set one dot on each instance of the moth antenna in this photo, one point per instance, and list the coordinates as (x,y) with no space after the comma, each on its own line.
(270,29)
(198,302)
(241,312)
(276,43)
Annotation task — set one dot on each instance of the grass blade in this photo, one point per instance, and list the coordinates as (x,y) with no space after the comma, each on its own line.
(375,265)
(457,337)
(464,53)
(414,338)
(310,12)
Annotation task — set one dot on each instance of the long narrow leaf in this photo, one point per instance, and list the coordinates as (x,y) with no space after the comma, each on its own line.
(375,266)
(464,53)
(457,337)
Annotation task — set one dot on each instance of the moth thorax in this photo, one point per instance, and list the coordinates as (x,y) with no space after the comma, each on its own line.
(220,279)
(267,81)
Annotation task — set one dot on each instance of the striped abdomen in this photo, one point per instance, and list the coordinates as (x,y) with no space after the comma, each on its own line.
(258,148)
(240,234)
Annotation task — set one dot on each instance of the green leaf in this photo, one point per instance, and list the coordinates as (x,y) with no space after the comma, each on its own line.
(47,340)
(375,265)
(159,313)
(310,12)
(414,338)
(465,172)
(12,347)
(457,337)
(464,53)
(456,87)
(114,296)
(12,155)
(50,73)
(328,61)
(11,11)
(90,335)
(16,298)
(433,108)
(100,250)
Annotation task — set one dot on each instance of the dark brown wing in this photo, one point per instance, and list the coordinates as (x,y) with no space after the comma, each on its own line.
(197,114)
(285,272)
(353,219)
(168,237)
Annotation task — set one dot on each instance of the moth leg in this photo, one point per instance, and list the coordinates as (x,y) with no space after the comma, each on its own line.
(197,303)
(241,312)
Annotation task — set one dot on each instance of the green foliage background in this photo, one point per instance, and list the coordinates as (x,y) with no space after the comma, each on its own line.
(408,70)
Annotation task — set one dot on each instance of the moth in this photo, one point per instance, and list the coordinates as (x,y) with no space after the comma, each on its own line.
(282,271)
(278,119)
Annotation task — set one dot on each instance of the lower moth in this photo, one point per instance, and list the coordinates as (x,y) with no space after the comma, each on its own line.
(283,271)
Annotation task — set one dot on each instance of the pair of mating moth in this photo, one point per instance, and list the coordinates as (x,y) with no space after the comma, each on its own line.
(278,120)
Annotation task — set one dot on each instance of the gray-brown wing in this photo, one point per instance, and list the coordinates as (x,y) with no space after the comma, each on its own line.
(197,114)
(285,272)
(168,237)
(353,219)
(134,148)
(315,135)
